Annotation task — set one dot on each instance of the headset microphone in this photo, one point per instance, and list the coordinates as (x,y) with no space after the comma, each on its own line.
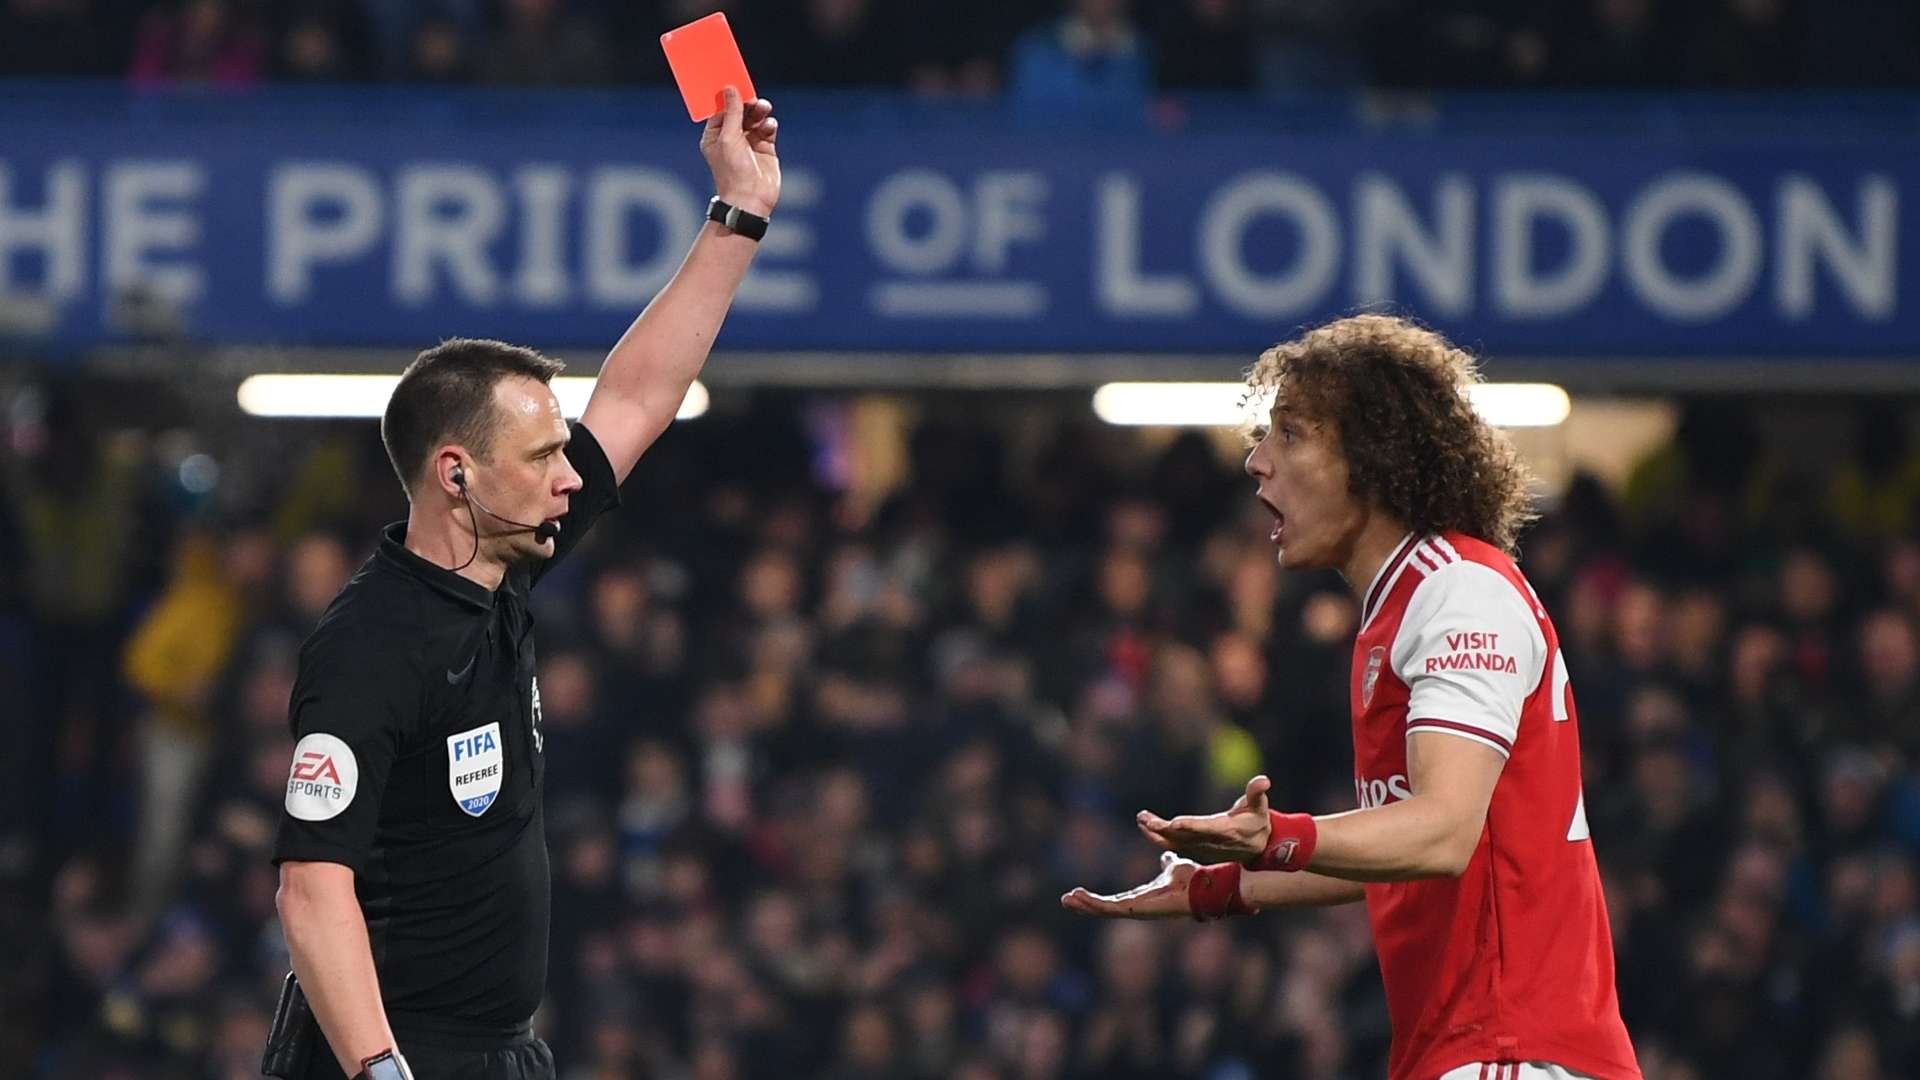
(542,532)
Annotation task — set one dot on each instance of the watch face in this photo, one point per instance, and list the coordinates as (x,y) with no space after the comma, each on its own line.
(388,1066)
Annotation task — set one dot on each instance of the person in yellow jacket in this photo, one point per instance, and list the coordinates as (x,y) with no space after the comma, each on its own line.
(174,659)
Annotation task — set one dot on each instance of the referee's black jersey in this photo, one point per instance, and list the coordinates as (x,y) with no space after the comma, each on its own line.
(419,764)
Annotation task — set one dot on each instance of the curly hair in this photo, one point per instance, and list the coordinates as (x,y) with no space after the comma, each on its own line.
(1396,394)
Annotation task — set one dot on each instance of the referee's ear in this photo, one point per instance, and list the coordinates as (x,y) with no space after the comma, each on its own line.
(450,471)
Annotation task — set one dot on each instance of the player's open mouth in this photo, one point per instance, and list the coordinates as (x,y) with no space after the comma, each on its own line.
(1279,520)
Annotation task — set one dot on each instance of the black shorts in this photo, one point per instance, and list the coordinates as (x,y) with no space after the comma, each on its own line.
(527,1058)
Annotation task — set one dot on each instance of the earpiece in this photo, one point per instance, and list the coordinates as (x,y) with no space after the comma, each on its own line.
(459,476)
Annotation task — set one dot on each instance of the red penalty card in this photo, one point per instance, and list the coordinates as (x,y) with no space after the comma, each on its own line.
(705,61)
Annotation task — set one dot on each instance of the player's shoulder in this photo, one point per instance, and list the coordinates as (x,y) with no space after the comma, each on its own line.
(1452,571)
(1466,594)
(1461,548)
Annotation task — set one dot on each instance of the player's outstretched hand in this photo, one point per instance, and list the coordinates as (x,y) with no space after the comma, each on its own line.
(1165,897)
(738,144)
(1238,835)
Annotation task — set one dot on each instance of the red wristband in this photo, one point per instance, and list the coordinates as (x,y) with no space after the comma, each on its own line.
(1214,892)
(1290,842)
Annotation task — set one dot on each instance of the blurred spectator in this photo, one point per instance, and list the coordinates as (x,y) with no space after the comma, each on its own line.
(1851,1054)
(962,49)
(173,659)
(1890,684)
(397,27)
(1461,43)
(819,775)
(75,497)
(841,43)
(1687,501)
(1203,45)
(1875,493)
(544,43)
(1318,45)
(200,41)
(322,41)
(959,48)
(439,51)
(868,1046)
(1092,62)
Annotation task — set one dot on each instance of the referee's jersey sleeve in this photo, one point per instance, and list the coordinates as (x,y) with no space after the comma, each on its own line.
(350,712)
(599,492)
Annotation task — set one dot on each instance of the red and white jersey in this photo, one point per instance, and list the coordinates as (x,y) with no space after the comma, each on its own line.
(1513,961)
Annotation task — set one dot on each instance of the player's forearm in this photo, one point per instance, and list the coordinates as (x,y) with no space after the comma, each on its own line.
(327,941)
(1415,838)
(1305,889)
(662,352)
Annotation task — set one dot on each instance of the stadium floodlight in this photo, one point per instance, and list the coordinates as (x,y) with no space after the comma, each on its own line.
(1521,404)
(315,396)
(1221,404)
(1172,404)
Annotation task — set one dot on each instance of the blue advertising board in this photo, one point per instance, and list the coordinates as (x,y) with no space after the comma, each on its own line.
(394,219)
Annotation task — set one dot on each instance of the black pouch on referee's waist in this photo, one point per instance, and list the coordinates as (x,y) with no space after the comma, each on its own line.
(290,1040)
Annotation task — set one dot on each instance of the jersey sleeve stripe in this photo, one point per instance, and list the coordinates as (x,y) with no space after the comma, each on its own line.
(1454,727)
(1426,559)
(1433,545)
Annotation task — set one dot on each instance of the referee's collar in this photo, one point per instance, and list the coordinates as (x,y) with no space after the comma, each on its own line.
(393,548)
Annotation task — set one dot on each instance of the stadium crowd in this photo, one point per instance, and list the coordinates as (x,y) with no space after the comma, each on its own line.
(1089,51)
(821,761)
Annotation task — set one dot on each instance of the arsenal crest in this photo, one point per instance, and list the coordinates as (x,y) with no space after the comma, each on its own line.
(1375,657)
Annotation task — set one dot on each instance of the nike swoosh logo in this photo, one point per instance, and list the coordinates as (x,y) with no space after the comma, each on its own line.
(455,676)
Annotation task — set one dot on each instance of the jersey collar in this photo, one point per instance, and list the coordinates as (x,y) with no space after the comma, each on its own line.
(393,549)
(1372,596)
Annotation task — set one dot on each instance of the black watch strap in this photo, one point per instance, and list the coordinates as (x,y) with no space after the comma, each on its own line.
(751,226)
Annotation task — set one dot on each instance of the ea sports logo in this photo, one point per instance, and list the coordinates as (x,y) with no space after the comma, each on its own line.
(323,779)
(314,766)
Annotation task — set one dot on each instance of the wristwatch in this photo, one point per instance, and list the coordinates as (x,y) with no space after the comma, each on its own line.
(385,1065)
(751,226)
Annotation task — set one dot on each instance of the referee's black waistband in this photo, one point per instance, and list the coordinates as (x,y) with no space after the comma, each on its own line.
(451,1034)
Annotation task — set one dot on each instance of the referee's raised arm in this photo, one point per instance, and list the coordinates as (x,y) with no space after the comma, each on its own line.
(646,376)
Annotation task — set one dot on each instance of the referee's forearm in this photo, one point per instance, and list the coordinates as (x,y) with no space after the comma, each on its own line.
(663,350)
(327,941)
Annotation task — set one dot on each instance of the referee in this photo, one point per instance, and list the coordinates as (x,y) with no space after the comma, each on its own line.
(414,885)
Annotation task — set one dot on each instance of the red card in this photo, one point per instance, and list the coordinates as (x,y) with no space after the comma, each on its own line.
(705,61)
